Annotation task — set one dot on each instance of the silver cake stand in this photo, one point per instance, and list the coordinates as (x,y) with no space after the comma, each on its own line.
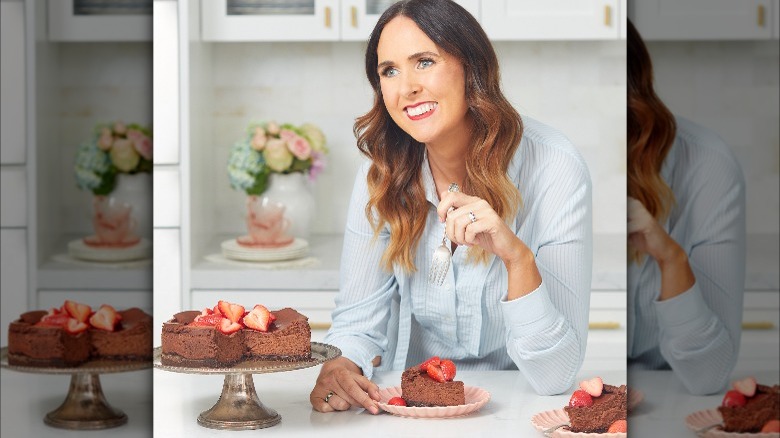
(85,407)
(239,407)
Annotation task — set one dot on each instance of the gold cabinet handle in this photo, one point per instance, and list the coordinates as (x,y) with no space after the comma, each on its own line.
(604,325)
(758,325)
(319,325)
(761,15)
(353,15)
(327,16)
(607,15)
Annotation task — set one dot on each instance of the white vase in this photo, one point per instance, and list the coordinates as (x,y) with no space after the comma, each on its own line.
(136,190)
(291,191)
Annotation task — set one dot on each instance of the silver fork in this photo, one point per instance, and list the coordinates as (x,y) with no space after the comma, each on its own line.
(440,264)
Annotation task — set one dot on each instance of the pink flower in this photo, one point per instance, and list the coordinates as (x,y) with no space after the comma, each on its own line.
(299,147)
(141,143)
(317,165)
(106,139)
(258,140)
(272,127)
(120,128)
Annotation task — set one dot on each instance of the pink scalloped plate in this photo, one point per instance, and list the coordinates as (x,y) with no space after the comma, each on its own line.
(548,419)
(700,420)
(475,399)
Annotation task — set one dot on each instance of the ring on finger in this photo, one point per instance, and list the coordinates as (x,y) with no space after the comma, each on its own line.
(472,217)
(327,397)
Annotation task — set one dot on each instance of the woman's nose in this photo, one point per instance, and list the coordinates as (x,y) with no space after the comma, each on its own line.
(411,85)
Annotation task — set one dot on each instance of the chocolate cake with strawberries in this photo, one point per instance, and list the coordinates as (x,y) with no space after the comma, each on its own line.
(431,384)
(73,334)
(750,407)
(597,408)
(228,334)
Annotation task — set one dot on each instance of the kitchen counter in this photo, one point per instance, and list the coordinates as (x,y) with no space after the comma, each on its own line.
(179,398)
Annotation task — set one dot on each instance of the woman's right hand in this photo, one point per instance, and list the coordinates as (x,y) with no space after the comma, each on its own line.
(349,387)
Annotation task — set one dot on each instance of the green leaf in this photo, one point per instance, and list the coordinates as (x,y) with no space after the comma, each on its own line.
(300,165)
(107,184)
(261,184)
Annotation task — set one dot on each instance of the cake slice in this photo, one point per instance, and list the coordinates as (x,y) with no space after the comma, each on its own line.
(185,344)
(129,340)
(432,384)
(39,339)
(751,407)
(597,407)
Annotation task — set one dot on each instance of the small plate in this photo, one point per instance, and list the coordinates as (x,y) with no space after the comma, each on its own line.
(547,419)
(475,399)
(700,420)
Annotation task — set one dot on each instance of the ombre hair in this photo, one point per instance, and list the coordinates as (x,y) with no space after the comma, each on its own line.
(651,132)
(396,192)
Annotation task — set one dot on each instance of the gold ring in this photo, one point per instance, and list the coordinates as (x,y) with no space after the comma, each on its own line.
(327,397)
(472,217)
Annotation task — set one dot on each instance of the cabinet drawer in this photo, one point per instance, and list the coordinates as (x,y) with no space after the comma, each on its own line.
(317,305)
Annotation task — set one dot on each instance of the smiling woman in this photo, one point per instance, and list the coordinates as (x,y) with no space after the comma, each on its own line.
(519,229)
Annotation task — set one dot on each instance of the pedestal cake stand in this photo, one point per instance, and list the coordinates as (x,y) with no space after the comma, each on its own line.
(85,407)
(239,407)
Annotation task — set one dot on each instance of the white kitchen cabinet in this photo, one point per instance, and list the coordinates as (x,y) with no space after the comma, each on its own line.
(551,19)
(776,19)
(13,282)
(270,20)
(760,325)
(12,83)
(702,19)
(120,21)
(607,330)
(13,185)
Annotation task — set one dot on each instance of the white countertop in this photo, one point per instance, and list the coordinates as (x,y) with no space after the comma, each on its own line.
(26,398)
(179,398)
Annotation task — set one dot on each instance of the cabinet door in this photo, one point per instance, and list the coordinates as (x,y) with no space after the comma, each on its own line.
(13,282)
(702,19)
(78,20)
(550,19)
(13,186)
(776,19)
(358,17)
(270,20)
(606,331)
(12,83)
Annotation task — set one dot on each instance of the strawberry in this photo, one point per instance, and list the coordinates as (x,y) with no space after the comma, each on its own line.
(580,399)
(77,310)
(733,398)
(75,326)
(435,372)
(105,318)
(227,326)
(258,319)
(593,386)
(771,426)
(397,401)
(619,426)
(746,386)
(206,312)
(207,320)
(233,312)
(434,360)
(448,369)
(53,320)
(216,310)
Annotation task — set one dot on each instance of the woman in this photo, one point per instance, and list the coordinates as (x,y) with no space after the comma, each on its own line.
(686,225)
(518,291)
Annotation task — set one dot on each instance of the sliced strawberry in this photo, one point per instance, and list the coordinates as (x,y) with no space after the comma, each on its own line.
(105,318)
(733,398)
(580,399)
(206,312)
(448,369)
(746,386)
(227,326)
(75,326)
(397,401)
(258,319)
(201,324)
(594,386)
(77,310)
(53,320)
(216,310)
(233,312)
(619,426)
(435,373)
(771,426)
(434,360)
(207,320)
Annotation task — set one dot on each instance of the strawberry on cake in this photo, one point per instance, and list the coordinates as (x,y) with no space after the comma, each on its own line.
(228,333)
(750,407)
(430,384)
(597,407)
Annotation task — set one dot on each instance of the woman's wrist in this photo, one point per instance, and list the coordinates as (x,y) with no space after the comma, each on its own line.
(522,274)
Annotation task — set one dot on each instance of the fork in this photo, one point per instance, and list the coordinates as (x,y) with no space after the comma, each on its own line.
(440,264)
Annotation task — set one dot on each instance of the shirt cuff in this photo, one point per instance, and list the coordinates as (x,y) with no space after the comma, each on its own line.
(686,309)
(530,313)
(359,351)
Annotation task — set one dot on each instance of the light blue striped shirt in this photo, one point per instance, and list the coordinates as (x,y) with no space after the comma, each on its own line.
(697,332)
(405,320)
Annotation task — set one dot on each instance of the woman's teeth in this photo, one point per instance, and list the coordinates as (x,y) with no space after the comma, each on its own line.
(421,109)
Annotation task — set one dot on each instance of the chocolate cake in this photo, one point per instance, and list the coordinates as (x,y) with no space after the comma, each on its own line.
(185,343)
(420,389)
(605,410)
(756,412)
(33,342)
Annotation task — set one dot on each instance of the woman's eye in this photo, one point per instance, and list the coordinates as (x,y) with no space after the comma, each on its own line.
(425,63)
(389,72)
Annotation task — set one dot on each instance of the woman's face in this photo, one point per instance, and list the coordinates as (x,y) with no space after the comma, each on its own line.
(423,87)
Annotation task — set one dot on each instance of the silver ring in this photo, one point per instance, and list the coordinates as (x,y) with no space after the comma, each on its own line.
(327,397)
(454,187)
(472,217)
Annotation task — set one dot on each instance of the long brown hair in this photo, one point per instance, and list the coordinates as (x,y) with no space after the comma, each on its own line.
(396,192)
(651,131)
